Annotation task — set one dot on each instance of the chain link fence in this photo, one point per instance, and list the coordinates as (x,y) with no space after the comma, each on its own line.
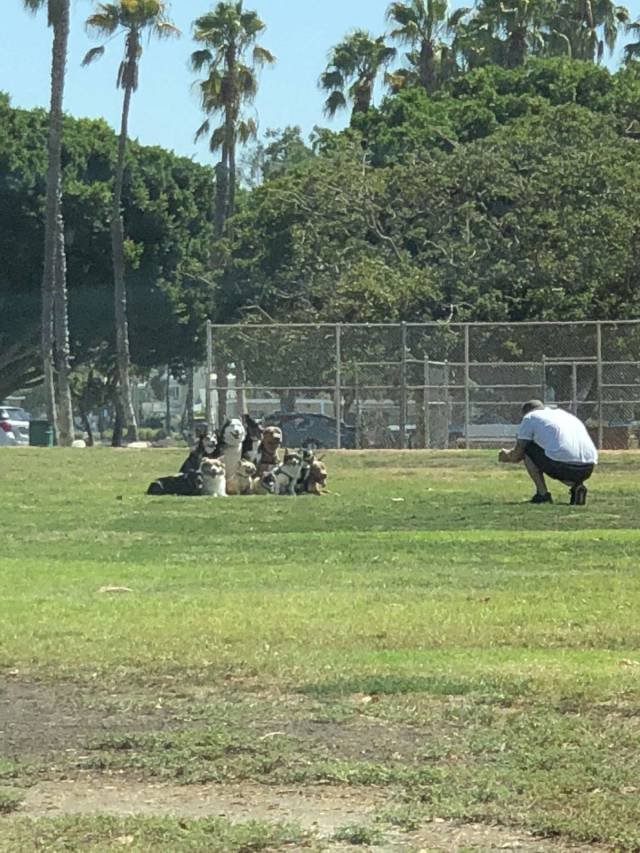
(431,385)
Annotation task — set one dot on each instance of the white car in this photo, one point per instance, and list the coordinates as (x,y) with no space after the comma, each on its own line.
(14,426)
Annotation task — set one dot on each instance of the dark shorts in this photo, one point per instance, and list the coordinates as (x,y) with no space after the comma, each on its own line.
(564,471)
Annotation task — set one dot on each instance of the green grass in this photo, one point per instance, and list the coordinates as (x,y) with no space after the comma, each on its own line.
(162,835)
(500,641)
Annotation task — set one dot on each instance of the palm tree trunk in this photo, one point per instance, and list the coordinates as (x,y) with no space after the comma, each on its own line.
(186,423)
(231,201)
(221,386)
(167,403)
(61,327)
(222,187)
(53,221)
(120,288)
(428,77)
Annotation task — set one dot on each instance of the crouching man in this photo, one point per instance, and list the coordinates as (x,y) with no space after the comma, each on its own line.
(555,443)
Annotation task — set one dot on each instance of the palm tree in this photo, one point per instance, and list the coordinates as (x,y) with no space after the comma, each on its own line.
(588,27)
(133,18)
(354,66)
(424,25)
(55,323)
(632,50)
(227,34)
(515,29)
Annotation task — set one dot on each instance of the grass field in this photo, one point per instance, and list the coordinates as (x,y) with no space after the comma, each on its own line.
(420,639)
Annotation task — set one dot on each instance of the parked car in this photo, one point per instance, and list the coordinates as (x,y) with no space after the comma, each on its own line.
(302,429)
(14,425)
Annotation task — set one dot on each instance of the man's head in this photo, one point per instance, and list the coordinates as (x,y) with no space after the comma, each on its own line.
(531,406)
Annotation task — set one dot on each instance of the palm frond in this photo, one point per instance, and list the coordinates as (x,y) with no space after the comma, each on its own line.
(217,139)
(262,56)
(200,58)
(336,101)
(203,130)
(33,5)
(106,21)
(91,55)
(247,130)
(164,30)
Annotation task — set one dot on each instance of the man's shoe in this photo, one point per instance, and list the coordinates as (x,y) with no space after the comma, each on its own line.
(541,499)
(578,495)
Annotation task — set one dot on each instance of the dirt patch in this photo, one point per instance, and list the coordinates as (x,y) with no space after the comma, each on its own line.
(361,739)
(37,720)
(321,809)
(47,721)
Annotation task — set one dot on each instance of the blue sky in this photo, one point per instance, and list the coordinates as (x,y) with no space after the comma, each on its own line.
(165,109)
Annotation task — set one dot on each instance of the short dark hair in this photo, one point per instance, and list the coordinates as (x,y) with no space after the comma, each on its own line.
(531,406)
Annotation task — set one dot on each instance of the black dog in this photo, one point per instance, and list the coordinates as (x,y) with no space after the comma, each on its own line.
(188,485)
(206,448)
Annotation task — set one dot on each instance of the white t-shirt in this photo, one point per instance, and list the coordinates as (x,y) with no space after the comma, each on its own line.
(562,436)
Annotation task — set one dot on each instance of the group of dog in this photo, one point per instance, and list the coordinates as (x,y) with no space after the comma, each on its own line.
(244,458)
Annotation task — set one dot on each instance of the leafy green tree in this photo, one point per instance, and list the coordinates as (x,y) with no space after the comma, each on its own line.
(281,151)
(167,204)
(55,322)
(354,67)
(228,34)
(426,27)
(133,18)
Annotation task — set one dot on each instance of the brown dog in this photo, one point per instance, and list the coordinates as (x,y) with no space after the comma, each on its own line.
(267,456)
(317,480)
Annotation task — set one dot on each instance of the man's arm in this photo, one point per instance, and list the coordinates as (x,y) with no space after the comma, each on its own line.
(513,456)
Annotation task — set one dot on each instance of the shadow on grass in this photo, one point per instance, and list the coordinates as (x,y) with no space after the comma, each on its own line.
(433,685)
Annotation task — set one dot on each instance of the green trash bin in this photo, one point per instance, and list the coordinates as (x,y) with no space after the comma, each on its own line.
(41,434)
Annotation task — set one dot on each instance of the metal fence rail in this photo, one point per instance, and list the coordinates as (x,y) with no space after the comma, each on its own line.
(424,384)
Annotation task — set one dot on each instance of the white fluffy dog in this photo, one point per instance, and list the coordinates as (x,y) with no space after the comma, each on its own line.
(213,478)
(230,439)
(245,477)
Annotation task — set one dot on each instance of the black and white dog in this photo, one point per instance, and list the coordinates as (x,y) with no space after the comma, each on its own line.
(283,478)
(189,484)
(308,458)
(252,439)
(205,448)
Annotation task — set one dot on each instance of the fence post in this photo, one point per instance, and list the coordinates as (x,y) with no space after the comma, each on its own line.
(356,377)
(208,404)
(544,379)
(403,389)
(599,380)
(467,399)
(337,404)
(447,401)
(425,403)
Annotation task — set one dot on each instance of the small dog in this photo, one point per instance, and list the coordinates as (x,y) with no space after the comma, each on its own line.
(245,477)
(213,477)
(282,479)
(317,479)
(253,438)
(230,439)
(267,455)
(205,448)
(308,458)
(190,485)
